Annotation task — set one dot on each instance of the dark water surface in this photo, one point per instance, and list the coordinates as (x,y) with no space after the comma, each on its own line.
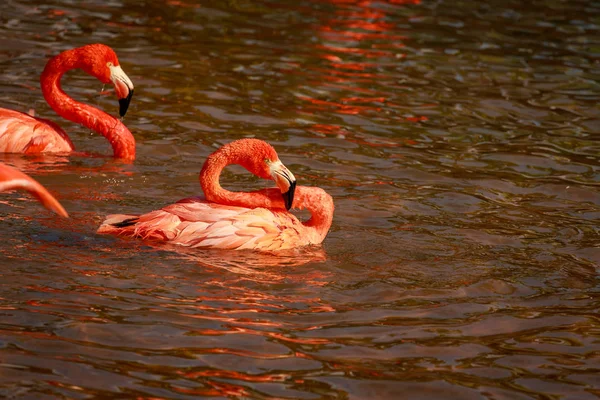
(459,139)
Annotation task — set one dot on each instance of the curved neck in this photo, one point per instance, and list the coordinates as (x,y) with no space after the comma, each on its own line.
(120,138)
(320,206)
(209,180)
(313,199)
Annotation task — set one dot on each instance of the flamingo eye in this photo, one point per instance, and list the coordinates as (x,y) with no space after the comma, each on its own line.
(267,161)
(109,64)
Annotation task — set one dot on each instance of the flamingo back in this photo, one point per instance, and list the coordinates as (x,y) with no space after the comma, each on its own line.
(22,133)
(193,222)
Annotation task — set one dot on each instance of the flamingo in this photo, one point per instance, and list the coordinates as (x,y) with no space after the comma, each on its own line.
(11,178)
(256,220)
(24,133)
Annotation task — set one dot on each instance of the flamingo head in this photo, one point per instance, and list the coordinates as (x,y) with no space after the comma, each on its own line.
(123,87)
(285,181)
(102,62)
(262,160)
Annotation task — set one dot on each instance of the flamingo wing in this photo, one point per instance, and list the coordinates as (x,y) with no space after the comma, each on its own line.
(23,133)
(194,222)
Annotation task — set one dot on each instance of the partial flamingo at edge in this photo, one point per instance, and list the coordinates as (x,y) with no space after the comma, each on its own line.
(13,179)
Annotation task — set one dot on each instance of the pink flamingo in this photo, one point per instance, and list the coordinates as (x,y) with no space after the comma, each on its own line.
(11,178)
(23,133)
(256,220)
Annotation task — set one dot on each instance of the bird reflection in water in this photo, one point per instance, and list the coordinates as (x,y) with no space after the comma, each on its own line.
(261,267)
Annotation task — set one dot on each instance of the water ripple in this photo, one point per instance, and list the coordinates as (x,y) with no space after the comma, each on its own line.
(459,141)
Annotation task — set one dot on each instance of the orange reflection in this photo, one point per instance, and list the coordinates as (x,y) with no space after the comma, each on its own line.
(256,266)
(235,375)
(83,190)
(217,389)
(359,39)
(44,164)
(183,4)
(56,13)
(341,108)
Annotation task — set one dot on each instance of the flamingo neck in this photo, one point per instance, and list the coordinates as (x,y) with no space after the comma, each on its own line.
(315,200)
(209,180)
(320,205)
(120,138)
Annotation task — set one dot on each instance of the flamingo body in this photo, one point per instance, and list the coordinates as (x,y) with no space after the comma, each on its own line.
(22,133)
(11,178)
(235,221)
(195,222)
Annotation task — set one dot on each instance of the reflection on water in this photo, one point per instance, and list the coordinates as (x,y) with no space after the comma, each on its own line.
(460,144)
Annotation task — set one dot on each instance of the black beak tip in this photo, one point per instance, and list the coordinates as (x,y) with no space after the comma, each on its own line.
(288,197)
(124,103)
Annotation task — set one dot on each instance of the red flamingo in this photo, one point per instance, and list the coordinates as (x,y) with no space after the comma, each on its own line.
(11,178)
(256,220)
(23,133)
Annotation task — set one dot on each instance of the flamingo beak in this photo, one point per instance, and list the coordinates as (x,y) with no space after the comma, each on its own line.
(123,87)
(285,181)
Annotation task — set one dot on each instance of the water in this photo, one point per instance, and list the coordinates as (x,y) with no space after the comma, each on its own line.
(460,142)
